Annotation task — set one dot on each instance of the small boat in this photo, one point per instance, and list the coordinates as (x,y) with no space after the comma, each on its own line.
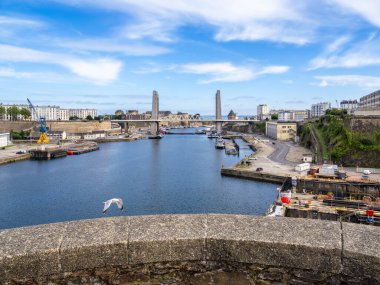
(156,137)
(219,143)
(212,135)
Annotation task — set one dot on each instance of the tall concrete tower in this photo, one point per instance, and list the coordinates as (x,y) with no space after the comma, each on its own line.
(218,112)
(155,110)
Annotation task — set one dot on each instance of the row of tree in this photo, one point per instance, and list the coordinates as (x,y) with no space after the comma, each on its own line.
(13,112)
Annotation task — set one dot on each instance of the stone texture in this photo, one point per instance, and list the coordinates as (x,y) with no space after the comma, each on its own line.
(361,252)
(166,238)
(191,249)
(30,251)
(278,242)
(95,243)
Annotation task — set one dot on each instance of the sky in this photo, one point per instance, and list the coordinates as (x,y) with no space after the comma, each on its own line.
(112,54)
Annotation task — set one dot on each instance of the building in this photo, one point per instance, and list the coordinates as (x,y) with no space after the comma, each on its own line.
(56,135)
(50,113)
(282,131)
(63,114)
(319,109)
(349,104)
(231,115)
(83,113)
(262,110)
(371,100)
(5,139)
(294,115)
(7,117)
(285,116)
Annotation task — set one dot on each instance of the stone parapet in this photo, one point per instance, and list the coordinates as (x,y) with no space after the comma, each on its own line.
(191,249)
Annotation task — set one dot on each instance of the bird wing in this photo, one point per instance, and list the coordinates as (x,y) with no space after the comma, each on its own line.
(119,203)
(107,204)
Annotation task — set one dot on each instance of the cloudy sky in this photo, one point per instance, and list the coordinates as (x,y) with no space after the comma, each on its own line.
(111,54)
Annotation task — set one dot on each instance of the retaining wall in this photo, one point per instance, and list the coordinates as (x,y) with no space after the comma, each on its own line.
(191,249)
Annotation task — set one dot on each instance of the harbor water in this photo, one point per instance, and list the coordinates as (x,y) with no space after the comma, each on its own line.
(178,174)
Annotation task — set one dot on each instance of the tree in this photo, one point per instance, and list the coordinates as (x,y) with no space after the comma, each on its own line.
(13,112)
(274,116)
(73,118)
(3,112)
(89,117)
(25,113)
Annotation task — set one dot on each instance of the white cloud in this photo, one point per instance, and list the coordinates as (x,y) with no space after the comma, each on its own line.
(109,45)
(368,9)
(19,22)
(99,70)
(247,20)
(227,72)
(344,80)
(355,55)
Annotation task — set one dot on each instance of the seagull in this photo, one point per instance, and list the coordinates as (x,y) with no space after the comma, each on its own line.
(108,203)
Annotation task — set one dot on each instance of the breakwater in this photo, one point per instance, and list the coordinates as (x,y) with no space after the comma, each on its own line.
(191,249)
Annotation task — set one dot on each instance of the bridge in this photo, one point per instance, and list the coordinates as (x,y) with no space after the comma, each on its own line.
(155,120)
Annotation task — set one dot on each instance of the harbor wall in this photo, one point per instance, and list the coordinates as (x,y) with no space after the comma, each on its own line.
(191,249)
(253,175)
(68,126)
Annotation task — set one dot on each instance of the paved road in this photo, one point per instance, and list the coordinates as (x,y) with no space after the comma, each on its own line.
(279,155)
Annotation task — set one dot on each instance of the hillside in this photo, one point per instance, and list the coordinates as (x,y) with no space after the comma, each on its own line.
(333,139)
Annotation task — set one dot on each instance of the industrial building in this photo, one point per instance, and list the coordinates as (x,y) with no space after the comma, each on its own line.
(282,131)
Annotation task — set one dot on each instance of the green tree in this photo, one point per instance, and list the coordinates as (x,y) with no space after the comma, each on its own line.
(25,113)
(274,116)
(73,118)
(13,112)
(89,117)
(3,112)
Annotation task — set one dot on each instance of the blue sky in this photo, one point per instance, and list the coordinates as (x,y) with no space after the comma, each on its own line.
(111,54)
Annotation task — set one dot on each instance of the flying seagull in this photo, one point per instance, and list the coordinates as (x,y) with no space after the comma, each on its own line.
(108,203)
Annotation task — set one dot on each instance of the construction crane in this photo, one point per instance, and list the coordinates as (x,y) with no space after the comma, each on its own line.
(43,129)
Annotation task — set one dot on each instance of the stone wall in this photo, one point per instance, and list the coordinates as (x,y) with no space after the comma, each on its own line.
(68,126)
(365,124)
(191,249)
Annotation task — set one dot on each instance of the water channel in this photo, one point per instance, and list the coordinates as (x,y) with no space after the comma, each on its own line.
(178,174)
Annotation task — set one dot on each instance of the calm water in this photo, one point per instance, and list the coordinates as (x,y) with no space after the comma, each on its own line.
(178,174)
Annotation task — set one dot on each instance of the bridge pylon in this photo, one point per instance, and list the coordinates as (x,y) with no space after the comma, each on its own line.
(155,113)
(218,112)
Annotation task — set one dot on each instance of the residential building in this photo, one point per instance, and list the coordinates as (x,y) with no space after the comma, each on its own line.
(293,115)
(5,139)
(319,109)
(371,100)
(282,131)
(63,114)
(132,112)
(7,117)
(349,104)
(262,110)
(50,113)
(232,115)
(82,113)
(285,116)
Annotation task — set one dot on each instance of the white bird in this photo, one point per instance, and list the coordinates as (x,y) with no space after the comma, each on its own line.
(108,203)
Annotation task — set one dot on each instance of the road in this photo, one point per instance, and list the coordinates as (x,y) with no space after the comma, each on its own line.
(279,155)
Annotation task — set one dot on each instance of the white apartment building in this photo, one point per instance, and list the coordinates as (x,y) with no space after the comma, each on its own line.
(349,104)
(6,117)
(319,109)
(293,115)
(50,113)
(82,113)
(262,110)
(371,100)
(63,114)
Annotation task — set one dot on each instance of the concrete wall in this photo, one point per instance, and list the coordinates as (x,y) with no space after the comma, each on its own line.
(366,124)
(191,249)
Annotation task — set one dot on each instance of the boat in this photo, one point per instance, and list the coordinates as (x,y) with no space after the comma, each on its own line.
(200,131)
(219,143)
(212,135)
(232,151)
(156,137)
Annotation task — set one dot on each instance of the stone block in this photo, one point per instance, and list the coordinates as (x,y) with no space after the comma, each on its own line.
(30,251)
(361,251)
(281,242)
(95,243)
(167,238)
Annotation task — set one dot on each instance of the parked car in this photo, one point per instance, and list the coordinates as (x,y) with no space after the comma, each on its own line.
(366,172)
(21,152)
(259,169)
